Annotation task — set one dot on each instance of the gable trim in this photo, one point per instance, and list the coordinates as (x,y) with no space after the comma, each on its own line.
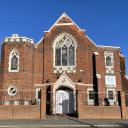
(64,75)
(63,15)
(39,42)
(90,40)
(62,24)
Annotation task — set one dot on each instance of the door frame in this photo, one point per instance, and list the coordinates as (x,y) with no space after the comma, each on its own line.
(54,98)
(70,102)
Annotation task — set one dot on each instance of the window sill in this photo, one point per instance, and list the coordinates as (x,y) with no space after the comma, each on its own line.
(90,102)
(13,70)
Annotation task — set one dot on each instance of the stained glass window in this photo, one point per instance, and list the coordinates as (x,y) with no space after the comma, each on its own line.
(58,57)
(71,55)
(64,56)
(65,52)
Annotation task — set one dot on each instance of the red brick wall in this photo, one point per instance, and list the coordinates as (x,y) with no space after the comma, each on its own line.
(36,65)
(19,112)
(126,113)
(84,55)
(24,78)
(99,112)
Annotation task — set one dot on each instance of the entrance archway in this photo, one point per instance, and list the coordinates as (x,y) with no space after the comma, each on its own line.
(64,101)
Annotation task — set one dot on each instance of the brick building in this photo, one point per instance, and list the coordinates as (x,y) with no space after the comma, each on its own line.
(64,73)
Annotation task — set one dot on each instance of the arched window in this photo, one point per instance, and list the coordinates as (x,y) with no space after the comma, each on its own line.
(64,51)
(64,55)
(13,61)
(108,61)
(71,55)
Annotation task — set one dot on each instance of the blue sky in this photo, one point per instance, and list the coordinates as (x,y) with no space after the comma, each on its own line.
(105,21)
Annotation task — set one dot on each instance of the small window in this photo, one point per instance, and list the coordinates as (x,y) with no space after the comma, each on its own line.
(91,95)
(38,93)
(108,61)
(13,61)
(110,95)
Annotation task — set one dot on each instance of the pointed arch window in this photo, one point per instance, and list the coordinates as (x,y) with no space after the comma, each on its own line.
(13,61)
(64,56)
(71,55)
(58,57)
(65,51)
(108,61)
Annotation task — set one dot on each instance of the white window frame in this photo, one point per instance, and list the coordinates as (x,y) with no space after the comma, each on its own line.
(114,96)
(90,102)
(106,54)
(10,57)
(60,36)
(36,93)
(107,85)
(37,90)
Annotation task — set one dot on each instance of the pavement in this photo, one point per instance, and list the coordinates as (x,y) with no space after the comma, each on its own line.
(63,123)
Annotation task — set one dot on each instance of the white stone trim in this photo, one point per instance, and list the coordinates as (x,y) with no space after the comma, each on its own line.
(37,95)
(6,102)
(26,102)
(16,102)
(9,61)
(90,39)
(17,38)
(96,53)
(110,54)
(42,85)
(63,24)
(36,92)
(14,89)
(108,46)
(98,76)
(102,45)
(39,42)
(121,55)
(82,84)
(126,76)
(65,81)
(109,84)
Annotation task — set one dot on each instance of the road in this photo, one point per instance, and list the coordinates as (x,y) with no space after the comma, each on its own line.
(64,122)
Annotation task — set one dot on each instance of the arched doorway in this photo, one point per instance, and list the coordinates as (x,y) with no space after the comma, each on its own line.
(64,101)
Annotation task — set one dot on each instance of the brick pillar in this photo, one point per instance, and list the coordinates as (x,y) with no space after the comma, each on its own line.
(98,78)
(79,102)
(123,105)
(43,103)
